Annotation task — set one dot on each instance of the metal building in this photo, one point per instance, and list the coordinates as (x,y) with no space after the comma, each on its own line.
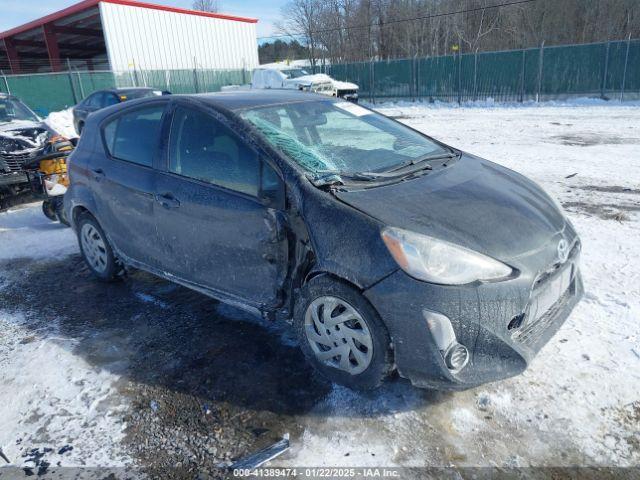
(124,35)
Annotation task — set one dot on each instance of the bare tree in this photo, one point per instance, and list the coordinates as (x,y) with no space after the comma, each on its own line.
(355,30)
(302,18)
(206,5)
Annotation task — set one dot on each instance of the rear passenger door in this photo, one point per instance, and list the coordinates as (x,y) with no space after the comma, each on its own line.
(123,180)
(215,226)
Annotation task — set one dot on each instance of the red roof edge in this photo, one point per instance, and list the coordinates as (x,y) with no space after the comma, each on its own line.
(153,6)
(65,12)
(86,4)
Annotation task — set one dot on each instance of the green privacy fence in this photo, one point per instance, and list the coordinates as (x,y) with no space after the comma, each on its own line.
(56,91)
(607,70)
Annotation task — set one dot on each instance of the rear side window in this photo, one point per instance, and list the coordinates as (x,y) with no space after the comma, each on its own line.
(110,99)
(201,147)
(134,136)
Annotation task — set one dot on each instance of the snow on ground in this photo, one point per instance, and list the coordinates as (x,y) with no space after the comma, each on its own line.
(580,400)
(49,396)
(579,403)
(27,233)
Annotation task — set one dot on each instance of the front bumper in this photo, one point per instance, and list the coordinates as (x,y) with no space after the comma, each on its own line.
(350,97)
(17,178)
(481,316)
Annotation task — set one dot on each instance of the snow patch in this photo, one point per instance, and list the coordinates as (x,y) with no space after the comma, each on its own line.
(26,233)
(62,122)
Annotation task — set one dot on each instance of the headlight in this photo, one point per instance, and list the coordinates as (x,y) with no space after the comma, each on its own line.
(436,261)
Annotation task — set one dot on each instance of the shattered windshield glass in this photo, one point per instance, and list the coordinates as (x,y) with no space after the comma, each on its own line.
(11,110)
(339,137)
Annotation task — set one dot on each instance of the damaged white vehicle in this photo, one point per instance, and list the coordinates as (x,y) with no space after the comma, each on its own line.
(296,78)
(23,137)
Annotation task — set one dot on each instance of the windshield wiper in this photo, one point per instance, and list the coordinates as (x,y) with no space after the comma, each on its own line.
(426,158)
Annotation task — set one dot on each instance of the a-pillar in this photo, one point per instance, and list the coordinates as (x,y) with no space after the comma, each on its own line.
(52,46)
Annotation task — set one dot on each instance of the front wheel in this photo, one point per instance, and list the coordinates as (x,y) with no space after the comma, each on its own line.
(96,251)
(342,335)
(58,204)
(49,210)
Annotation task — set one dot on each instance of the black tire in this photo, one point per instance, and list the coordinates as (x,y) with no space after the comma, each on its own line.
(381,363)
(112,268)
(58,205)
(49,210)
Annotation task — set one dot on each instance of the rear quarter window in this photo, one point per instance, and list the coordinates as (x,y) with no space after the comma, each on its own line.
(134,136)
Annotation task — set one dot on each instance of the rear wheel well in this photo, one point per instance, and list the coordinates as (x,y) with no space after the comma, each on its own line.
(78,212)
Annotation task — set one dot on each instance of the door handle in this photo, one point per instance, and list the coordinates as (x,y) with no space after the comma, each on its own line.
(167,200)
(98,174)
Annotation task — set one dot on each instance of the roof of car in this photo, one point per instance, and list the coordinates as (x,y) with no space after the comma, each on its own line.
(129,89)
(242,99)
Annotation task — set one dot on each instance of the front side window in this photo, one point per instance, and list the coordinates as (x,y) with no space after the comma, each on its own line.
(134,136)
(202,148)
(339,137)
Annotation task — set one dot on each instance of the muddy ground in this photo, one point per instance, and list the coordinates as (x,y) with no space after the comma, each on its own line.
(205,387)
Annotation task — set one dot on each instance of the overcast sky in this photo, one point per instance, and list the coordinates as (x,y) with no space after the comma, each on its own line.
(17,12)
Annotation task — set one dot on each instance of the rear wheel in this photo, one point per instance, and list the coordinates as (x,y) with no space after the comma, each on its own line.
(96,251)
(342,335)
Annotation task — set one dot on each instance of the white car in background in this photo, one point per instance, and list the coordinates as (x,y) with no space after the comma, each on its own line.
(290,77)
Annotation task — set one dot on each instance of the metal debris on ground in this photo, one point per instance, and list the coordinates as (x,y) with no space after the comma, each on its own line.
(263,456)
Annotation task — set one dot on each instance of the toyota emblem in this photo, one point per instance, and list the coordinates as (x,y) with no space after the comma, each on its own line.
(563,250)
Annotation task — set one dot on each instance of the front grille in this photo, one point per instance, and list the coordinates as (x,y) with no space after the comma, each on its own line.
(532,331)
(14,163)
(547,274)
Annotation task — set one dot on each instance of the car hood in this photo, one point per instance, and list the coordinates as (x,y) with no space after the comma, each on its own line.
(22,137)
(344,85)
(473,203)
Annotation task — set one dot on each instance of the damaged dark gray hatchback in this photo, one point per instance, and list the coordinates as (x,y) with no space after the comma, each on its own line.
(387,249)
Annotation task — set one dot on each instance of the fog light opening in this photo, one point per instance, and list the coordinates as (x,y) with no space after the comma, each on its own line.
(516,322)
(456,357)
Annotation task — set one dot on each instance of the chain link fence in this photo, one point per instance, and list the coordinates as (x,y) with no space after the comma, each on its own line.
(49,92)
(607,70)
